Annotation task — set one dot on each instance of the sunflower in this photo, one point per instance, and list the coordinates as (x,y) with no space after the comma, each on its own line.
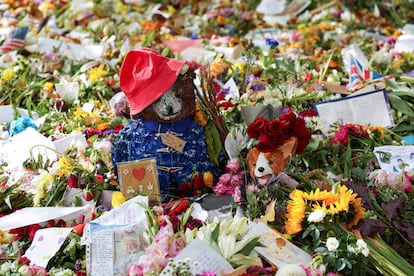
(340,204)
(296,212)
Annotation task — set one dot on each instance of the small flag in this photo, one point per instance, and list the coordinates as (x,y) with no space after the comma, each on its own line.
(16,40)
(360,75)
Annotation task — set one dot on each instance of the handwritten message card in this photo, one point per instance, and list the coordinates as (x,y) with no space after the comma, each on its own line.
(370,108)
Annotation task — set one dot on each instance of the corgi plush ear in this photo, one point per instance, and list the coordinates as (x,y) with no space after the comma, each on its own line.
(288,148)
(251,159)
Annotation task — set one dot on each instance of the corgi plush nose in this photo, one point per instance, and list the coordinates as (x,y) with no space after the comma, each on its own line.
(260,169)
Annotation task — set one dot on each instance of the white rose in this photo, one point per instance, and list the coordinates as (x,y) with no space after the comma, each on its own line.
(316,216)
(332,244)
(291,270)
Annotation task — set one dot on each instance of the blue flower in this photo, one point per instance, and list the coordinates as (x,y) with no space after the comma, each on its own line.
(20,125)
(272,42)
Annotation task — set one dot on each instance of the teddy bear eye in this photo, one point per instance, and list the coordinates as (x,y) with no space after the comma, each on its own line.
(177,94)
(270,162)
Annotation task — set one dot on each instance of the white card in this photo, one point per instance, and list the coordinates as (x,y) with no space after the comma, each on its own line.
(46,243)
(390,158)
(370,108)
(202,258)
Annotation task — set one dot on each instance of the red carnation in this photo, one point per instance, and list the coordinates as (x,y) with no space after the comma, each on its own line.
(256,128)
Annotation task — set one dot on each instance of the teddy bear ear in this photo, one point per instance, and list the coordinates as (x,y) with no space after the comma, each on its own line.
(288,147)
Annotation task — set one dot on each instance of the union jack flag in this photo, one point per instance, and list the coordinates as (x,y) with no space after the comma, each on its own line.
(359,76)
(16,40)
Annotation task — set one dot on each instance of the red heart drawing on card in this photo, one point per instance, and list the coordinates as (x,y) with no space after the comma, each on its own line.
(138,173)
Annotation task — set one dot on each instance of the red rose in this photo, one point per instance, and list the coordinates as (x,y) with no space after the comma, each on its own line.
(273,128)
(256,128)
(308,113)
(73,181)
(302,143)
(265,147)
(299,128)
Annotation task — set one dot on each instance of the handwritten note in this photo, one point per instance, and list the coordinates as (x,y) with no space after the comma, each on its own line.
(202,258)
(277,249)
(370,108)
(102,253)
(46,243)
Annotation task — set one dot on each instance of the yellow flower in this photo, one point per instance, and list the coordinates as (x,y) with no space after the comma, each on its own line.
(79,114)
(48,85)
(218,66)
(121,8)
(117,199)
(96,73)
(199,115)
(65,166)
(295,212)
(239,66)
(343,200)
(208,179)
(7,75)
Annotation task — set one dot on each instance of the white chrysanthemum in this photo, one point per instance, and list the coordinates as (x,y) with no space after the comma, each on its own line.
(332,243)
(291,270)
(316,216)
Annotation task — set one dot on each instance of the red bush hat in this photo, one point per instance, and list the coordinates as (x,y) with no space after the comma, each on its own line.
(145,76)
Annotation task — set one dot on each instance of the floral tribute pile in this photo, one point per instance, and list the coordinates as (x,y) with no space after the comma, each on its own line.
(351,213)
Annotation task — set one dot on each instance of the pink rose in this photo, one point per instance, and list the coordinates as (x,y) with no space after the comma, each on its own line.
(233,165)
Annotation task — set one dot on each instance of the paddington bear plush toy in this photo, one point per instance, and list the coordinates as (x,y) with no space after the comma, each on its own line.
(161,96)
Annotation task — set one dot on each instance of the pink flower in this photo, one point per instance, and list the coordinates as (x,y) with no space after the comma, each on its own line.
(237,195)
(135,270)
(99,177)
(252,188)
(393,179)
(341,136)
(233,165)
(104,145)
(408,188)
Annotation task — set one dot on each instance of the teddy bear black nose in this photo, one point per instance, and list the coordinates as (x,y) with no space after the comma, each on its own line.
(170,109)
(260,169)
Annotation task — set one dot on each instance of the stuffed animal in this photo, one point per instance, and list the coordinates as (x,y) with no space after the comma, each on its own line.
(265,166)
(161,96)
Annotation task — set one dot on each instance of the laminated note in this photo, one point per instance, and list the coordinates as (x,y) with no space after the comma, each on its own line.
(371,108)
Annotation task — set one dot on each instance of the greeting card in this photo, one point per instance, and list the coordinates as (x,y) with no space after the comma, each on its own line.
(140,177)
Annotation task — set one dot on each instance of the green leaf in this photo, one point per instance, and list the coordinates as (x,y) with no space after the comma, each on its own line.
(401,105)
(215,233)
(248,248)
(214,145)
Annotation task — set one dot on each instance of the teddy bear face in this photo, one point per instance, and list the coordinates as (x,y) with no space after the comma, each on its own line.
(176,104)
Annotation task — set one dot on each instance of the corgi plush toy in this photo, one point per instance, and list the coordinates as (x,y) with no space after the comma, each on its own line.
(263,166)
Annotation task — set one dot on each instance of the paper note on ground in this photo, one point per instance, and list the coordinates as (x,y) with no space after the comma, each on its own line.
(46,243)
(202,258)
(370,108)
